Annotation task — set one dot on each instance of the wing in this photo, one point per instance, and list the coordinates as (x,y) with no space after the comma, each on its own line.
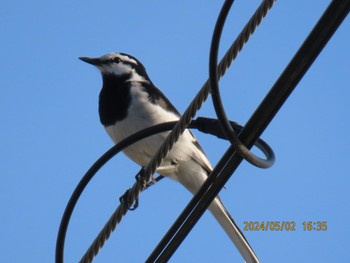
(156,97)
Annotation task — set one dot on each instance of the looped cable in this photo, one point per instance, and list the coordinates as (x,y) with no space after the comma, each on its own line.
(126,200)
(306,55)
(216,98)
(212,126)
(137,188)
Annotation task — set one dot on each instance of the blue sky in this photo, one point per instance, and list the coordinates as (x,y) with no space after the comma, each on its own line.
(51,132)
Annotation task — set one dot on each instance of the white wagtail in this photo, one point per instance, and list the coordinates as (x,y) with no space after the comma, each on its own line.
(129,102)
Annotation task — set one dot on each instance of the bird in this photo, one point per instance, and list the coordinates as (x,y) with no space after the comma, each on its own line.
(130,102)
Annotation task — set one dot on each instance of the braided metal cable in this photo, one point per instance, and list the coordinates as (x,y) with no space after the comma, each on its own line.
(202,95)
(113,221)
(183,123)
(239,147)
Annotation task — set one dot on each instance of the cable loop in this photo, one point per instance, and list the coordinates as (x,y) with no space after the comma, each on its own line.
(215,91)
(286,83)
(133,194)
(206,125)
(126,200)
(212,126)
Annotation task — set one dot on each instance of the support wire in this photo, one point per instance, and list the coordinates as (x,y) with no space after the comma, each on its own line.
(308,52)
(305,56)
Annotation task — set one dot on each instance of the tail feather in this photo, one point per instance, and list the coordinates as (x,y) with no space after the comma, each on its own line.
(192,176)
(228,224)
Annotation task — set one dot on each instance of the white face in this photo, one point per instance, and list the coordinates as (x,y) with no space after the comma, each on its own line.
(116,64)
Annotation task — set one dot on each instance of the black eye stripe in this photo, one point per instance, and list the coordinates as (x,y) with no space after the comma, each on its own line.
(116,60)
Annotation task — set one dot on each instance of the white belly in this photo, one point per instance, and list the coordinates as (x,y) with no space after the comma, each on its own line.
(143,114)
(140,116)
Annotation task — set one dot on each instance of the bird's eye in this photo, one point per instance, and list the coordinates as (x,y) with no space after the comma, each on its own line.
(116,60)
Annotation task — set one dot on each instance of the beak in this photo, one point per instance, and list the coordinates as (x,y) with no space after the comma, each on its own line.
(92,61)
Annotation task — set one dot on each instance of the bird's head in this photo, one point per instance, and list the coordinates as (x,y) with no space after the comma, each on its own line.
(119,65)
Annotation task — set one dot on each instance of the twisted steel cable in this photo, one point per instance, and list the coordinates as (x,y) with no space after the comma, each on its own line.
(176,234)
(296,69)
(146,175)
(203,94)
(205,125)
(226,127)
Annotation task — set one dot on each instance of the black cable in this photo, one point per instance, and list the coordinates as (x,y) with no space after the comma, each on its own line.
(206,125)
(178,231)
(173,238)
(217,102)
(338,9)
(90,174)
(213,127)
(284,86)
